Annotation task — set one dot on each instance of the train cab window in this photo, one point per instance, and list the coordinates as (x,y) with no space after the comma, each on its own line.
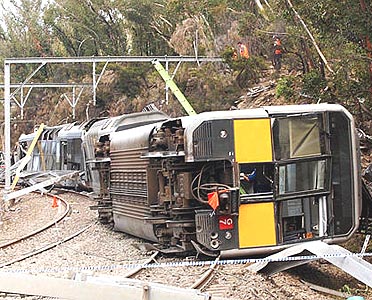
(35,164)
(303,176)
(256,180)
(299,136)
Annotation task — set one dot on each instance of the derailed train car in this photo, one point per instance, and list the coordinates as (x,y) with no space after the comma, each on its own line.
(58,151)
(235,182)
(238,182)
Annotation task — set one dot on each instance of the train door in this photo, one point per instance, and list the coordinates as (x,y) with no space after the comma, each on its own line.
(254,155)
(285,191)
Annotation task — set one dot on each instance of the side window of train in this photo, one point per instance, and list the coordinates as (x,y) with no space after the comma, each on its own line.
(300,136)
(302,155)
(308,176)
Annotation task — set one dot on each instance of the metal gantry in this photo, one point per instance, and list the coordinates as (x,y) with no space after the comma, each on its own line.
(25,90)
(42,61)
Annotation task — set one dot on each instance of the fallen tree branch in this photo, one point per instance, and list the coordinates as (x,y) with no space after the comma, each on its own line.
(311,38)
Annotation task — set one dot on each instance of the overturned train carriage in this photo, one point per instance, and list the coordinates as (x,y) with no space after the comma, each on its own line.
(237,182)
(96,147)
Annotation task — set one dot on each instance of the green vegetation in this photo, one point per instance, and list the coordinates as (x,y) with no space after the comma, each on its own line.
(329,60)
(313,84)
(285,88)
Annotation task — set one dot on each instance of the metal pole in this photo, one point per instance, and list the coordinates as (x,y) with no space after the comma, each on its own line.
(29,77)
(73,103)
(94,83)
(7,124)
(25,100)
(166,85)
(101,74)
(22,104)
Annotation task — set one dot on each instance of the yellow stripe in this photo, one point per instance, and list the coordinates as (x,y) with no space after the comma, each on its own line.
(252,140)
(257,225)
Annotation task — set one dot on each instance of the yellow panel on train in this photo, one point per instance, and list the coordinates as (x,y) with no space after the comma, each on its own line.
(252,140)
(257,225)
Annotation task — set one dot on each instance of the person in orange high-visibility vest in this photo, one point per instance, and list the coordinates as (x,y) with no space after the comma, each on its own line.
(277,53)
(243,50)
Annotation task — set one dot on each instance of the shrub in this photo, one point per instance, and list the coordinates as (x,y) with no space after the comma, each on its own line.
(285,87)
(313,84)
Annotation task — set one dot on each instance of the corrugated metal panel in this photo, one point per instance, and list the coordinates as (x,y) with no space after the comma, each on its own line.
(128,188)
(131,210)
(128,159)
(203,138)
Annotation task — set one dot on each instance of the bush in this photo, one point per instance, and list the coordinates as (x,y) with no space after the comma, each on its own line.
(313,84)
(285,87)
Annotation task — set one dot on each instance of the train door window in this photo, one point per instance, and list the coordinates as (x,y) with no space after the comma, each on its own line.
(299,136)
(303,176)
(42,145)
(53,155)
(35,164)
(58,156)
(292,221)
(76,158)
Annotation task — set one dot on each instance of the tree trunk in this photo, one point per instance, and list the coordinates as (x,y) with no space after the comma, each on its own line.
(311,37)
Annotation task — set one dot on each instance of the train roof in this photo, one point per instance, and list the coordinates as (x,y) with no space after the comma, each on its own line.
(71,131)
(47,131)
(127,121)
(262,112)
(140,119)
(305,108)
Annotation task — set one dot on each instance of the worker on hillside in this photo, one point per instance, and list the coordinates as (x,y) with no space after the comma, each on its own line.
(235,54)
(277,52)
(243,50)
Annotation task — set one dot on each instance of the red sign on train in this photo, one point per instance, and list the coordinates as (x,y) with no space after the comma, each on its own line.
(225,222)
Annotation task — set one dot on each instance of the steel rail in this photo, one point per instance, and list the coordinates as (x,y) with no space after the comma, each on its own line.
(133,272)
(206,277)
(48,225)
(46,247)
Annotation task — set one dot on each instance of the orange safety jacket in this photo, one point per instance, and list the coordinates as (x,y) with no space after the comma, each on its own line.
(243,50)
(278,48)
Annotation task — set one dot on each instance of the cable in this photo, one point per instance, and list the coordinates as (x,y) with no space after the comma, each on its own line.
(210,186)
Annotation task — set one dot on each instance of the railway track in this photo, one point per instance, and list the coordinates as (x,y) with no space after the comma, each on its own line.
(100,246)
(44,227)
(135,271)
(205,283)
(206,277)
(51,234)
